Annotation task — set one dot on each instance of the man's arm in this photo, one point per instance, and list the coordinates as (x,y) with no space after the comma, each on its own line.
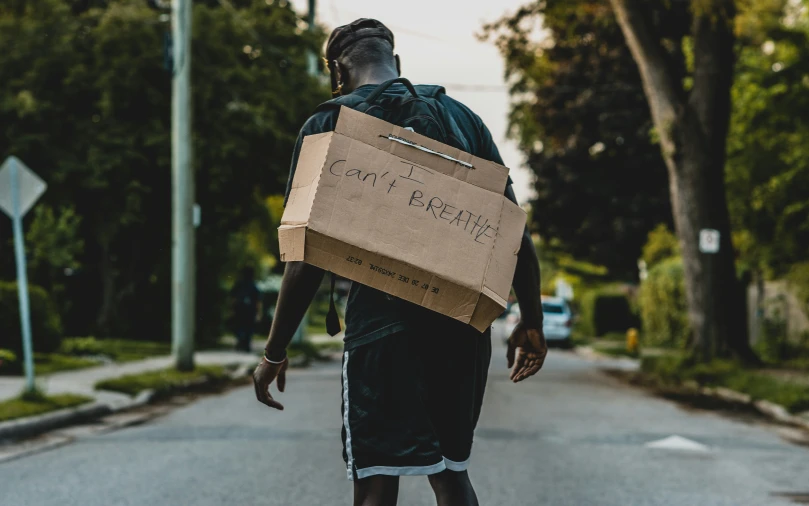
(298,289)
(527,348)
(526,281)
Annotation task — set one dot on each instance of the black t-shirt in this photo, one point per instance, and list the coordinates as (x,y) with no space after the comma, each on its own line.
(371,314)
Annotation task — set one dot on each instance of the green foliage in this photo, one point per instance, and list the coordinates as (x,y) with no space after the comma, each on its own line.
(49,363)
(580,116)
(611,313)
(53,239)
(660,245)
(604,310)
(120,350)
(30,405)
(768,152)
(7,356)
(88,106)
(672,370)
(46,326)
(163,381)
(663,306)
(8,362)
(80,346)
(798,279)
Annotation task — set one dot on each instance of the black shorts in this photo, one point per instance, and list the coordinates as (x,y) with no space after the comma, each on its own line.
(411,401)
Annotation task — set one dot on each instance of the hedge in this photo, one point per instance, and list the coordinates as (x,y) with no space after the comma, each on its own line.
(663,309)
(603,311)
(46,325)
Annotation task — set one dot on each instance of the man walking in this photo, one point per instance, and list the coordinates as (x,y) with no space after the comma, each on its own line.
(413,380)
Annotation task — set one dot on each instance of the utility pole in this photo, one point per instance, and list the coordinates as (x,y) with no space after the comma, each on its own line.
(312,56)
(182,175)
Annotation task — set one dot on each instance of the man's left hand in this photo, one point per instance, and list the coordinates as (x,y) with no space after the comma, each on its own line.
(526,352)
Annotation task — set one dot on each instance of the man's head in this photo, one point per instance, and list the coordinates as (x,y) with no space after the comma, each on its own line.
(357,51)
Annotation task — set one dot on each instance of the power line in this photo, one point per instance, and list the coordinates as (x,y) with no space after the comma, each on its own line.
(476,87)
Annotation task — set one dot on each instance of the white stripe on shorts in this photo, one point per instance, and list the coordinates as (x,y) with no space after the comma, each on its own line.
(350,464)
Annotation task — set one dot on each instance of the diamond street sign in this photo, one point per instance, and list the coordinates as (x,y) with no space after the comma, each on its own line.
(19,190)
(30,186)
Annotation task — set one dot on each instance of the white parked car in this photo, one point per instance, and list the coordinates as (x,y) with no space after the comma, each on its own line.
(557,321)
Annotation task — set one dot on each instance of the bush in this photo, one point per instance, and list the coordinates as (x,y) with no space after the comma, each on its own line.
(46,325)
(663,306)
(603,311)
(799,282)
(611,313)
(8,363)
(81,346)
(660,246)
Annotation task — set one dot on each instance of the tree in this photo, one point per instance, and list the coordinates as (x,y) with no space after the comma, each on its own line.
(768,145)
(580,116)
(691,113)
(87,105)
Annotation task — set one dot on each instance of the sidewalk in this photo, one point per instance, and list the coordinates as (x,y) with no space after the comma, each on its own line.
(83,381)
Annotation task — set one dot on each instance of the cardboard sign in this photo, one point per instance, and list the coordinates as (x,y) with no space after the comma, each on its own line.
(404,214)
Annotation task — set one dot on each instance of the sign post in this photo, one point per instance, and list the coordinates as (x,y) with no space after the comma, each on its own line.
(19,190)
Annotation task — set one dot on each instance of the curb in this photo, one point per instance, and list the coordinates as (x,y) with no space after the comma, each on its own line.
(35,425)
(769,409)
(27,427)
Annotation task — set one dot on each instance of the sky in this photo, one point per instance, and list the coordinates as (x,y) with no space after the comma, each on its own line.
(437,44)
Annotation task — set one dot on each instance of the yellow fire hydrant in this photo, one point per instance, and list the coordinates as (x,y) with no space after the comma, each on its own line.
(632,341)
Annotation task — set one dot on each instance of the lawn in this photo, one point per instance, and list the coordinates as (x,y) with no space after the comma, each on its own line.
(161,381)
(119,350)
(38,404)
(47,363)
(758,384)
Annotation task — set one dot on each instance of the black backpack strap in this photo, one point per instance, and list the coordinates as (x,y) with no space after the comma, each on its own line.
(430,90)
(387,84)
(332,319)
(350,101)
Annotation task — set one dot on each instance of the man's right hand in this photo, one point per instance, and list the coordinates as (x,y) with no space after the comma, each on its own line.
(263,377)
(526,352)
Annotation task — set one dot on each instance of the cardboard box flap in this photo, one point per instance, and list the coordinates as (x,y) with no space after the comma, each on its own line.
(313,155)
(422,150)
(293,237)
(503,258)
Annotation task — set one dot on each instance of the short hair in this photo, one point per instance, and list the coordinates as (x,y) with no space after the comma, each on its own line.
(372,51)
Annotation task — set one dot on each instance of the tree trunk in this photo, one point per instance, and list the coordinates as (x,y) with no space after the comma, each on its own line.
(693,127)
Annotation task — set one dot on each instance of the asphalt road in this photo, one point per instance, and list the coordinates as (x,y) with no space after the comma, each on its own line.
(573,436)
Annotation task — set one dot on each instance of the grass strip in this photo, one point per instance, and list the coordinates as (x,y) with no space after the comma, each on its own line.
(163,380)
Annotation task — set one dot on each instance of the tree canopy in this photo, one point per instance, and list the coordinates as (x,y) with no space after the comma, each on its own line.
(580,116)
(86,104)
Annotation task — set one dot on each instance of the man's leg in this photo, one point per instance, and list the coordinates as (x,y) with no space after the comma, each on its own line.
(453,489)
(377,491)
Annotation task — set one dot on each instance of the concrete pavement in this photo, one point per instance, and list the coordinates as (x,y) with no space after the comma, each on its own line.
(572,436)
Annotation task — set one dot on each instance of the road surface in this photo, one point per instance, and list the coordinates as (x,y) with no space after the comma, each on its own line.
(572,436)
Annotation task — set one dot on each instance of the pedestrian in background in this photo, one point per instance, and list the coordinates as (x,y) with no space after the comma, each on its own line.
(246,307)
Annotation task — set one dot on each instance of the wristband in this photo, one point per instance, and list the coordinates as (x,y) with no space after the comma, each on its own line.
(273,362)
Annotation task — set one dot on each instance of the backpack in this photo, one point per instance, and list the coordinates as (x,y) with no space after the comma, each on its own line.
(418,110)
